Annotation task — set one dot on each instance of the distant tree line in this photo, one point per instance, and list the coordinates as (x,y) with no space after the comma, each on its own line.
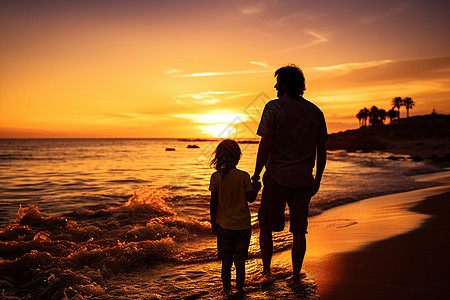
(377,116)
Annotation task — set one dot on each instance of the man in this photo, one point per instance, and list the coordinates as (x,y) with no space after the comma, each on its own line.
(293,133)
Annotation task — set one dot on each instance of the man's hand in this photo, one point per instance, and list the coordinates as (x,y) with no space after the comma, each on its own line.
(315,188)
(320,165)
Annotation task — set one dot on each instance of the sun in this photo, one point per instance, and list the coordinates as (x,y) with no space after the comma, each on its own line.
(218,124)
(222,130)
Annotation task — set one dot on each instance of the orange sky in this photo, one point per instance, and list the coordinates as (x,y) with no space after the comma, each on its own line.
(109,68)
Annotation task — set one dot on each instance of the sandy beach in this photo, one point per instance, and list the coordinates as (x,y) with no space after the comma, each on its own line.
(389,247)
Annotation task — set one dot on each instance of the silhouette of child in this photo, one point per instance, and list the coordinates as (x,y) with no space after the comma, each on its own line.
(231,189)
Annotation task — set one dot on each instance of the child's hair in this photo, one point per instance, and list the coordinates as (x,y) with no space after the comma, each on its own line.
(226,156)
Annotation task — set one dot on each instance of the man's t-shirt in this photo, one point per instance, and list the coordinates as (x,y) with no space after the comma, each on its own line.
(232,207)
(297,126)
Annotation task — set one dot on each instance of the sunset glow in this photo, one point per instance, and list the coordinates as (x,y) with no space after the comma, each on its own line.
(219,125)
(196,69)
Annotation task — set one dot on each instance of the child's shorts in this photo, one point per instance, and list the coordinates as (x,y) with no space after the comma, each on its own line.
(233,244)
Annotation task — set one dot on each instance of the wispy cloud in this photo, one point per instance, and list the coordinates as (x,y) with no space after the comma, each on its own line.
(318,39)
(265,69)
(254,8)
(130,116)
(215,117)
(251,10)
(261,64)
(122,118)
(172,71)
(205,102)
(202,95)
(286,20)
(207,98)
(394,11)
(240,72)
(344,68)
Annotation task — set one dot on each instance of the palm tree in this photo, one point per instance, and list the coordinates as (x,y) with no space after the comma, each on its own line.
(365,115)
(373,116)
(392,114)
(408,102)
(382,115)
(396,103)
(359,117)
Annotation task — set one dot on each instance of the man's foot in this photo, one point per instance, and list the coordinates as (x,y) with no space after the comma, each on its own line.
(297,277)
(266,272)
(266,275)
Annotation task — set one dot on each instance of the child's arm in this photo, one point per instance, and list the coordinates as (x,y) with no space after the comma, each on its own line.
(213,211)
(251,195)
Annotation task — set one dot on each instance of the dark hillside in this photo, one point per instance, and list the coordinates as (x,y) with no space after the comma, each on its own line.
(426,137)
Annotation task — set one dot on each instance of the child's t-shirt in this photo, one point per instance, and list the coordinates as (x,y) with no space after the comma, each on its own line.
(232,207)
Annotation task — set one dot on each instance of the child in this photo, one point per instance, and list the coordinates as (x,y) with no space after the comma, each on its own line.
(231,189)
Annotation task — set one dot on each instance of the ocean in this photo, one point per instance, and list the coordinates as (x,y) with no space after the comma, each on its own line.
(127,219)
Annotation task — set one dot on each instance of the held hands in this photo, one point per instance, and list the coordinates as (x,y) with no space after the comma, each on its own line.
(255,178)
(256,186)
(251,196)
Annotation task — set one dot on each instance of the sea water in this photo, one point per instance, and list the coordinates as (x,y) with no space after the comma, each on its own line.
(127,219)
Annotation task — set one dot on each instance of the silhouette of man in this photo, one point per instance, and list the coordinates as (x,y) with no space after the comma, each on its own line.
(293,133)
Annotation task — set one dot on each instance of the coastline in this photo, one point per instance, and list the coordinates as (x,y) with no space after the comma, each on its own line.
(388,247)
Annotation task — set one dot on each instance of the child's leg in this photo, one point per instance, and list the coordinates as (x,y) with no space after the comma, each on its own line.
(240,273)
(226,274)
(241,254)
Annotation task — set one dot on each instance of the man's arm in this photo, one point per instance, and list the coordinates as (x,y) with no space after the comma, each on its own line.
(264,149)
(213,211)
(320,165)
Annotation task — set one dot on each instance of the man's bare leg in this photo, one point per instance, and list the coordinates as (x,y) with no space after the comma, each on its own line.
(298,253)
(266,245)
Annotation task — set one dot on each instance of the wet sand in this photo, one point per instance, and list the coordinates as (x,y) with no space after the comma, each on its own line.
(408,259)
(389,247)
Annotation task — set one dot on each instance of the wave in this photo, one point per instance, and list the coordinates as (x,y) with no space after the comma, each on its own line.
(16,157)
(47,157)
(71,255)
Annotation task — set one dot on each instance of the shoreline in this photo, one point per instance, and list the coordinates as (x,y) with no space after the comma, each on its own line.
(364,265)
(388,247)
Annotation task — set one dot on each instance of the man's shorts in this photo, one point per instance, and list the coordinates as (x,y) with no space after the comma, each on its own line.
(233,244)
(273,204)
